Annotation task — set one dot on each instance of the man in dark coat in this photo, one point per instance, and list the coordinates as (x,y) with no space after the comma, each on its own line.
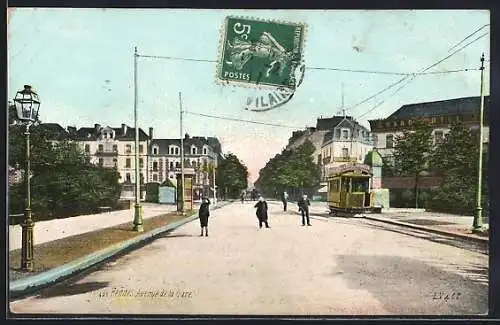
(284,199)
(261,212)
(304,204)
(203,214)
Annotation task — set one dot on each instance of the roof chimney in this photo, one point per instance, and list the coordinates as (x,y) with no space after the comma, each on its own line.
(124,129)
(97,126)
(151,133)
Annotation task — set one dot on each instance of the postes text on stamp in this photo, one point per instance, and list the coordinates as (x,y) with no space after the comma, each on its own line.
(256,52)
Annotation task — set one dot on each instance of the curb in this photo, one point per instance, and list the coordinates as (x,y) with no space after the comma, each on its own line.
(429,229)
(29,284)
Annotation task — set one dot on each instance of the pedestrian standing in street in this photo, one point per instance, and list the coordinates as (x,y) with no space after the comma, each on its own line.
(242,196)
(284,199)
(304,209)
(262,212)
(203,214)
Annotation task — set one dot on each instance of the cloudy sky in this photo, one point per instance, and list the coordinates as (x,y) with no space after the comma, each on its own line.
(81,63)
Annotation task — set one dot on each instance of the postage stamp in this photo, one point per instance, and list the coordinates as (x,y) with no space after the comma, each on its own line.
(258,52)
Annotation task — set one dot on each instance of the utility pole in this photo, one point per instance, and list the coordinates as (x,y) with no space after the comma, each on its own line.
(478,218)
(137,208)
(181,190)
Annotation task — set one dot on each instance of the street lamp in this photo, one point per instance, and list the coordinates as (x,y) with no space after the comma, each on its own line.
(27,105)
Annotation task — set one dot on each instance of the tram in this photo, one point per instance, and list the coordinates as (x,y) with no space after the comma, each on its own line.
(349,190)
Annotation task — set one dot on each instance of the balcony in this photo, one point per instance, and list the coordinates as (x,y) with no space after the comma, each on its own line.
(345,159)
(106,153)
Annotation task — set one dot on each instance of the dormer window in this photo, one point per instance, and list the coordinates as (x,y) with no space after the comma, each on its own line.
(345,134)
(171,150)
(193,150)
(204,151)
(155,150)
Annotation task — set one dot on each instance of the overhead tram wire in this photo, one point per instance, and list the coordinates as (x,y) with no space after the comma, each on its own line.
(308,68)
(415,75)
(423,71)
(468,36)
(246,121)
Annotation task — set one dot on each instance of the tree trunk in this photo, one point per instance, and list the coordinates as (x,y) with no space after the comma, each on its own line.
(416,192)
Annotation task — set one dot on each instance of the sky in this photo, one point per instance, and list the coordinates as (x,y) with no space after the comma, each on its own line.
(80,61)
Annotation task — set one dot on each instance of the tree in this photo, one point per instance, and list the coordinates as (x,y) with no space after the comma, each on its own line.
(291,169)
(231,175)
(412,151)
(63,182)
(456,160)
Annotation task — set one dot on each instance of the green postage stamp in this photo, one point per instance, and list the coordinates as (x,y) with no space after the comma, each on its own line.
(260,52)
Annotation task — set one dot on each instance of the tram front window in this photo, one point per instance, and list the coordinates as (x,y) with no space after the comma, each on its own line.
(359,185)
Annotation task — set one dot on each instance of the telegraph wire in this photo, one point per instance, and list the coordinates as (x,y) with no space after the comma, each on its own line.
(242,120)
(308,68)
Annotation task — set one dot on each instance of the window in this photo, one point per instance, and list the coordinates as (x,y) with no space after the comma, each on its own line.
(101,162)
(155,151)
(101,148)
(171,150)
(141,180)
(176,151)
(115,162)
(171,165)
(193,151)
(204,151)
(345,152)
(337,133)
(115,148)
(438,137)
(345,134)
(87,148)
(177,165)
(127,177)
(389,141)
(128,148)
(141,148)
(141,163)
(155,166)
(127,163)
(155,177)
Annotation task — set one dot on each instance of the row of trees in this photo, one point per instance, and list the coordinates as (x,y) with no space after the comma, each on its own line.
(290,170)
(63,181)
(231,176)
(455,159)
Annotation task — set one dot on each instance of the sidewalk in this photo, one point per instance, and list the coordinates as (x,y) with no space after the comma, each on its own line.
(62,255)
(444,223)
(50,230)
(449,224)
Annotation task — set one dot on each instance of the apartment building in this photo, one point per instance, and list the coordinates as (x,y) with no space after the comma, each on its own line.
(439,114)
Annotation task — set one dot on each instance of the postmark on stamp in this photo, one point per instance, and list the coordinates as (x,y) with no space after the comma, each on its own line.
(260,53)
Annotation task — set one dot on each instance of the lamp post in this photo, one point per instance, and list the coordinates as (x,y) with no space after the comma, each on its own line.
(137,207)
(27,105)
(478,217)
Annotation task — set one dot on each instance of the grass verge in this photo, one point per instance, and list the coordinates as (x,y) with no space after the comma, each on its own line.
(59,252)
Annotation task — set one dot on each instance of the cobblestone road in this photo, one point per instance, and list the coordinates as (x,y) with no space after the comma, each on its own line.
(336,267)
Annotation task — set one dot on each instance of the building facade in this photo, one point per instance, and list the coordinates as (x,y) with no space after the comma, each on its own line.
(200,156)
(115,147)
(441,115)
(346,141)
